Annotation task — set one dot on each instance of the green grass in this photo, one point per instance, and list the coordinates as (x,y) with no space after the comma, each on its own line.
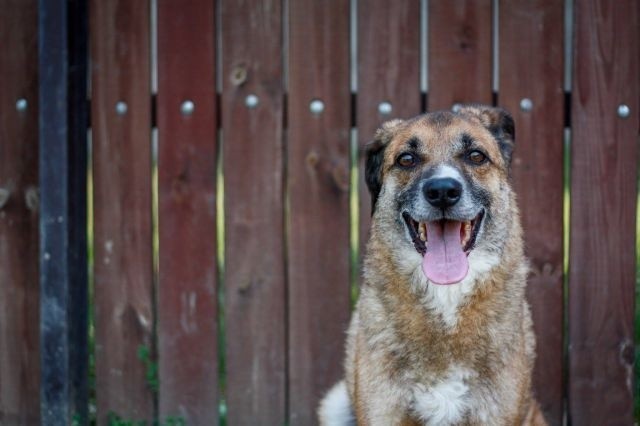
(220,235)
(354,212)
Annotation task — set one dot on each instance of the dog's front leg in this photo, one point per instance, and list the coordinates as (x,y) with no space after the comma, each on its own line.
(380,401)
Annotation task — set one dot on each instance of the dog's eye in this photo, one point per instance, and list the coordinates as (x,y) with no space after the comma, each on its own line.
(476,157)
(407,160)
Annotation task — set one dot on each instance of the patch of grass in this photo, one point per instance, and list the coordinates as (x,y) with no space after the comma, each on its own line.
(114,419)
(151,374)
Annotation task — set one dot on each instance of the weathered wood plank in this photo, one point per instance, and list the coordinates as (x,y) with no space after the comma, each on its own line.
(122,205)
(460,52)
(187,299)
(531,67)
(318,184)
(19,285)
(255,270)
(604,153)
(388,71)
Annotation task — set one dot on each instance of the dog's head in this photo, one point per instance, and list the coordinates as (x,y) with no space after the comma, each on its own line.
(440,187)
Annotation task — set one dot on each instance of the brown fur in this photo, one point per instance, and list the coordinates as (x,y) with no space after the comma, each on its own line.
(397,343)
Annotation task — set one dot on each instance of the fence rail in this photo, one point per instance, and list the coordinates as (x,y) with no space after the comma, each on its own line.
(259,109)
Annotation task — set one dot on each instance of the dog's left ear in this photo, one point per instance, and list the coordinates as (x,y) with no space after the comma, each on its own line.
(374,152)
(500,123)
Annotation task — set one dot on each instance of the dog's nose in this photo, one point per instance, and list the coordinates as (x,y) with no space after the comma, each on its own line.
(442,192)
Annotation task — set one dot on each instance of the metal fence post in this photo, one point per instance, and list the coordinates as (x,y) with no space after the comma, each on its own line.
(62,40)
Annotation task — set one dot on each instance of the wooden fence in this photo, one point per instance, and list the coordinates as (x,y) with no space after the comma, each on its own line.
(273,92)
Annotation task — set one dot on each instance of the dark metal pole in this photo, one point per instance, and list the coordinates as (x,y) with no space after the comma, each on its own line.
(78,110)
(63,286)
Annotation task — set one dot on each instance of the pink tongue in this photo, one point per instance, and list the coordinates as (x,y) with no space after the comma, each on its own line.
(444,262)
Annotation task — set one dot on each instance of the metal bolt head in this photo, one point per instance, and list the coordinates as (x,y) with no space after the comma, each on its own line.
(187,107)
(121,108)
(316,106)
(526,104)
(624,111)
(251,101)
(385,108)
(21,104)
(456,107)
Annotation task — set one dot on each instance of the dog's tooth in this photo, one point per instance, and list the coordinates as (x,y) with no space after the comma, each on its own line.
(466,234)
(422,230)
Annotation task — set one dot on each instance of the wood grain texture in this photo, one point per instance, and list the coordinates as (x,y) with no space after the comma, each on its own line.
(388,71)
(122,206)
(603,212)
(255,271)
(19,284)
(460,52)
(531,66)
(318,186)
(187,308)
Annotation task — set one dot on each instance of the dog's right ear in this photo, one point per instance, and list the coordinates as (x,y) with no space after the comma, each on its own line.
(375,158)
(499,122)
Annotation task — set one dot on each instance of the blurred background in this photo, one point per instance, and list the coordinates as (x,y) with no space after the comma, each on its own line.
(182,209)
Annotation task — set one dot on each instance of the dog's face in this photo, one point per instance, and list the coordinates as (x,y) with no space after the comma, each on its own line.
(439,185)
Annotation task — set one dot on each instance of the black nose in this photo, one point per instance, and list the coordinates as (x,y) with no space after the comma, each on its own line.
(442,192)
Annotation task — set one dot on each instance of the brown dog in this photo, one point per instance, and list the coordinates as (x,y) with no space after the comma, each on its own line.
(442,333)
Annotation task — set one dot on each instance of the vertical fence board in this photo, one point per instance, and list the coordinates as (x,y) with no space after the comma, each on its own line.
(603,212)
(460,53)
(388,71)
(531,46)
(122,206)
(254,211)
(318,184)
(187,314)
(19,289)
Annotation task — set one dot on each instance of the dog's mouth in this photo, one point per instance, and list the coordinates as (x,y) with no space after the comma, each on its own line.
(444,245)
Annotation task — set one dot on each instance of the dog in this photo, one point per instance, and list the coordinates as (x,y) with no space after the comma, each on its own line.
(442,333)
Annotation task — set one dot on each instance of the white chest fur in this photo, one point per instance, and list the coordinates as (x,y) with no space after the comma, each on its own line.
(446,402)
